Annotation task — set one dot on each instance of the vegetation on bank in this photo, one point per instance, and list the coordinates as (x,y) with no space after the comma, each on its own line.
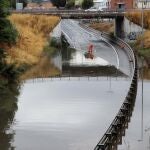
(28,52)
(45,67)
(33,33)
(8,36)
(142,45)
(136,18)
(87,4)
(103,26)
(142,41)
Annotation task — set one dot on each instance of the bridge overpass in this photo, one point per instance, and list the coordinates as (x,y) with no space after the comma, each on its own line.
(74,14)
(81,14)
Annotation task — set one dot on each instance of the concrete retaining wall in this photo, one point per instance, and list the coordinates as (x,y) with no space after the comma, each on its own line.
(56,31)
(131,27)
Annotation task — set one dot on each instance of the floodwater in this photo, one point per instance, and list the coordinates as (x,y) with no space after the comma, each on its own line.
(66,114)
(69,113)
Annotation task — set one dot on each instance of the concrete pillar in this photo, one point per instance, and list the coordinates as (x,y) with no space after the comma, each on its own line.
(119,27)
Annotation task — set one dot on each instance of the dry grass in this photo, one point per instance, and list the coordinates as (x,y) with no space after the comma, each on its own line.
(103,26)
(136,18)
(33,31)
(145,39)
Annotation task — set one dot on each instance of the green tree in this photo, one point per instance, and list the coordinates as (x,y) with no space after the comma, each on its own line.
(59,3)
(8,107)
(87,4)
(8,35)
(4,5)
(70,4)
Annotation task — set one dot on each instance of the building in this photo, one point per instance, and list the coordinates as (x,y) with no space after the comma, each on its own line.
(142,3)
(121,4)
(44,4)
(101,4)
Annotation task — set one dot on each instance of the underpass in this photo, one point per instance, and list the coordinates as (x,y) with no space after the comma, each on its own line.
(80,38)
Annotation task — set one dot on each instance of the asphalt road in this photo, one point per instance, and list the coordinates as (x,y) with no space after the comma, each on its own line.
(80,38)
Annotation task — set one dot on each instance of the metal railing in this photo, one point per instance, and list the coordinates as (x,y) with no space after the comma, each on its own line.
(113,136)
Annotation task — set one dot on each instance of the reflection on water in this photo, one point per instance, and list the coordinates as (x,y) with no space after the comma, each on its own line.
(66,114)
(79,59)
(68,70)
(8,107)
(74,63)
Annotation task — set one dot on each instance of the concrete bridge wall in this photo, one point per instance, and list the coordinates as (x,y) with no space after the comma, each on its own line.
(56,31)
(131,27)
(119,27)
(124,27)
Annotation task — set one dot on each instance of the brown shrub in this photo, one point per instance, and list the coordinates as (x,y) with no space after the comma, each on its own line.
(33,31)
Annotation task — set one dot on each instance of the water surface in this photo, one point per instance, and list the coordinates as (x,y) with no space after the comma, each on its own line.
(66,114)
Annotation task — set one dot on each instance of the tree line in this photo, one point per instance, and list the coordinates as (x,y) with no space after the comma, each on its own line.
(69,4)
(8,37)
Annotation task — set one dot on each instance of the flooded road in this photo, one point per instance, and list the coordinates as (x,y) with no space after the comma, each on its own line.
(106,53)
(68,114)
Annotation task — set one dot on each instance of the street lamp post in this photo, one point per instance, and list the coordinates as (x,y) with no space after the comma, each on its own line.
(142,22)
(142,46)
(142,102)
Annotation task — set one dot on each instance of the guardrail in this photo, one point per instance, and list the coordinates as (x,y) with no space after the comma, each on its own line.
(105,36)
(113,135)
(124,46)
